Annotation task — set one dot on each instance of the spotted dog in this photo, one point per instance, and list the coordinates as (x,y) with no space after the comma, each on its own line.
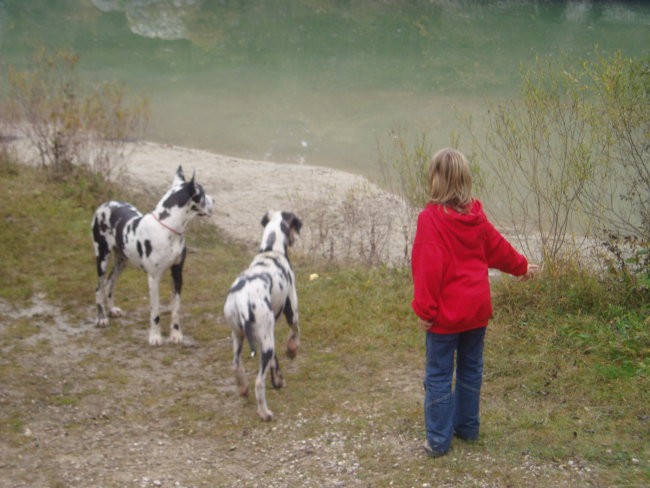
(256,300)
(153,242)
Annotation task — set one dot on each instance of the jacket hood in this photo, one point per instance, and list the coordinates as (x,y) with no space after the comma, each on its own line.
(461,225)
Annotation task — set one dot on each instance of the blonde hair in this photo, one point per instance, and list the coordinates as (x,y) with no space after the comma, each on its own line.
(450,180)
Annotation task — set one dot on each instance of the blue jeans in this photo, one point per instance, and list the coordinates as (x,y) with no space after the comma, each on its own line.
(447,411)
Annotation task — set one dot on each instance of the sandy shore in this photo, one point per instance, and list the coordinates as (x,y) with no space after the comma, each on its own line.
(344,215)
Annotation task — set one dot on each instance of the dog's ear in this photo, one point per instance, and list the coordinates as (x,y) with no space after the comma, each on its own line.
(297,223)
(192,185)
(179,177)
(266,218)
(293,221)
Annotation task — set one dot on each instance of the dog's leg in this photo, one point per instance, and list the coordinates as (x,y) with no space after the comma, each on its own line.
(120,264)
(237,364)
(100,300)
(102,256)
(276,377)
(175,332)
(291,314)
(260,388)
(155,338)
(267,361)
(100,292)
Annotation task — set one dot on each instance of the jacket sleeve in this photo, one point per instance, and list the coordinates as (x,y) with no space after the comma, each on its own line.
(427,269)
(501,255)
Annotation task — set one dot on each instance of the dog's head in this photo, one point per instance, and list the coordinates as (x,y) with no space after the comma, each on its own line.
(280,229)
(186,195)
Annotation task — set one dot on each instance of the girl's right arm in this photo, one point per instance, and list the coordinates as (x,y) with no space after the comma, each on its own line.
(532,270)
(502,256)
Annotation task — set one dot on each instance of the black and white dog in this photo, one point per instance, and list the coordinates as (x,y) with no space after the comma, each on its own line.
(257,298)
(153,242)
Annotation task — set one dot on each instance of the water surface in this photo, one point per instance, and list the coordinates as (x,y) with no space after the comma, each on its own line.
(315,82)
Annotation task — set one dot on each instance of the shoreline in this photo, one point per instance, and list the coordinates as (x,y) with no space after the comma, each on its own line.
(344,215)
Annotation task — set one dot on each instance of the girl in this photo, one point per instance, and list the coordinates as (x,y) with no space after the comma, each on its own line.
(454,246)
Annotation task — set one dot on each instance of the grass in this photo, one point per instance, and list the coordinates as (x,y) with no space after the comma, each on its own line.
(564,401)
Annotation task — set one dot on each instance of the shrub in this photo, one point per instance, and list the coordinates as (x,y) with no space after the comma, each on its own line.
(619,196)
(355,229)
(69,124)
(571,154)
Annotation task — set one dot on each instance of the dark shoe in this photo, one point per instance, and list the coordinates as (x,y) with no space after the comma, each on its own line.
(466,438)
(430,452)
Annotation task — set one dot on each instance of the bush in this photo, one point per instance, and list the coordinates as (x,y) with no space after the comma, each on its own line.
(355,229)
(619,88)
(70,125)
(571,155)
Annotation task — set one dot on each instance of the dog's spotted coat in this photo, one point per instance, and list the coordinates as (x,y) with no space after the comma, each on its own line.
(154,242)
(257,298)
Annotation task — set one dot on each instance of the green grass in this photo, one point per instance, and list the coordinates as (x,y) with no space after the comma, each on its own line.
(564,402)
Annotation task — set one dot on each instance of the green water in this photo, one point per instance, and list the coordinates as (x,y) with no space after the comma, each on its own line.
(314,82)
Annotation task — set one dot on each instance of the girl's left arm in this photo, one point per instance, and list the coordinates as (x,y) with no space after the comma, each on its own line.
(427,263)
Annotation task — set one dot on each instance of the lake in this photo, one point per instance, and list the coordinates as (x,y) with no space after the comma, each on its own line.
(315,82)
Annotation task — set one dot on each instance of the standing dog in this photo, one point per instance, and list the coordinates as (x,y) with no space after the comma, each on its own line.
(153,242)
(256,300)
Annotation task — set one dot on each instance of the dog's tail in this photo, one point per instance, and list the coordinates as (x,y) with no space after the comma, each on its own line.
(248,330)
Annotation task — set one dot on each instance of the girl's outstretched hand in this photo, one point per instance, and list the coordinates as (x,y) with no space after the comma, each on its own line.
(532,270)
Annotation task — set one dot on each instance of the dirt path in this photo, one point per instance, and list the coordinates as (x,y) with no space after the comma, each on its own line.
(105,410)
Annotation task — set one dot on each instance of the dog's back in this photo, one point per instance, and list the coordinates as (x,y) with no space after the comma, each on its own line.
(259,295)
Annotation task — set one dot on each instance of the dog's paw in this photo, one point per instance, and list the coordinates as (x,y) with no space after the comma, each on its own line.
(115,312)
(277,380)
(265,414)
(102,322)
(155,339)
(176,336)
(292,348)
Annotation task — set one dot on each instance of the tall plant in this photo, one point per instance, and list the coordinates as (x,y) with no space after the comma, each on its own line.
(404,169)
(620,195)
(563,152)
(68,123)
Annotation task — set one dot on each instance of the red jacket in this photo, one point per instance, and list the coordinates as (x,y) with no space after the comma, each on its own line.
(451,256)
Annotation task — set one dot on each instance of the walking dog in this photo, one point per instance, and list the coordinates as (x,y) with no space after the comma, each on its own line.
(257,298)
(153,242)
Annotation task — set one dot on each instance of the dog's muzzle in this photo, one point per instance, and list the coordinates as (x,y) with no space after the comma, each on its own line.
(206,208)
